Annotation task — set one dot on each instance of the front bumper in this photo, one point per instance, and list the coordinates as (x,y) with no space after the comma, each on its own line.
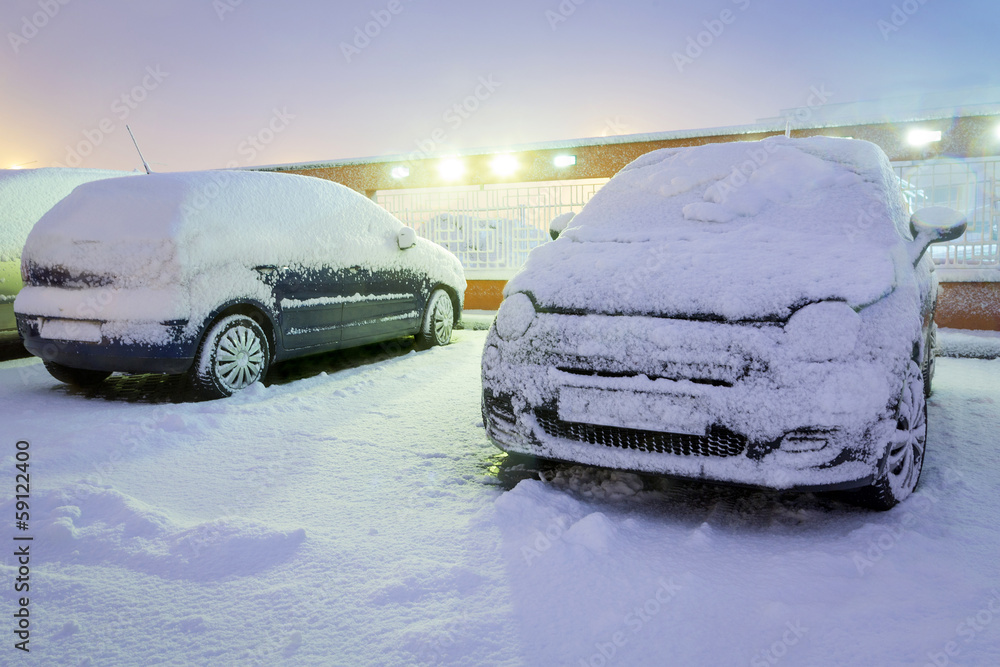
(743,414)
(151,348)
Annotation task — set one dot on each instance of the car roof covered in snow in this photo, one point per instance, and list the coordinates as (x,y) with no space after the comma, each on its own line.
(26,194)
(228,216)
(743,230)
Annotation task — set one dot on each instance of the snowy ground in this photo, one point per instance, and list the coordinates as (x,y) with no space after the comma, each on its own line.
(359,516)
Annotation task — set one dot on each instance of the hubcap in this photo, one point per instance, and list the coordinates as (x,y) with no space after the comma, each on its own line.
(443,317)
(239,358)
(907,450)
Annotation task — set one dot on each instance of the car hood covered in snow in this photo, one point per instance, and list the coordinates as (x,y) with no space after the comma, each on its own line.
(741,231)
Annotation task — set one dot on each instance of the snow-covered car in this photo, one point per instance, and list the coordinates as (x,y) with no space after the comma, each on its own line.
(25,195)
(219,274)
(758,313)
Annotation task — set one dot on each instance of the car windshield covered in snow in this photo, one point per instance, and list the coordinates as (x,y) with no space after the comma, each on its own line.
(754,312)
(221,273)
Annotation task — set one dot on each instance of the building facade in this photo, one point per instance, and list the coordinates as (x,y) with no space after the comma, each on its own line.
(491,207)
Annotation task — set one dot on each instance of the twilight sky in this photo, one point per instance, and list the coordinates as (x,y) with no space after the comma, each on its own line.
(210,83)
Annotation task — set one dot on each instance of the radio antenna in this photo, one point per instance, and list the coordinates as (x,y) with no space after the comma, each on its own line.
(145,166)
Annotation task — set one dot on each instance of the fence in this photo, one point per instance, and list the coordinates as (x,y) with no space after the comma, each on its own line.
(969,185)
(491,228)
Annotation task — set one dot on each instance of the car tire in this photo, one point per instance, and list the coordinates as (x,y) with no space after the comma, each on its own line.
(905,456)
(439,320)
(234,354)
(77,377)
(930,359)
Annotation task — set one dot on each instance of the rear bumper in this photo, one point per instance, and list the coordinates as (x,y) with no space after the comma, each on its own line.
(163,349)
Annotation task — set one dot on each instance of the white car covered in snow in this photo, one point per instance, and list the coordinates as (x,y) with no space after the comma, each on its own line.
(758,312)
(25,195)
(219,274)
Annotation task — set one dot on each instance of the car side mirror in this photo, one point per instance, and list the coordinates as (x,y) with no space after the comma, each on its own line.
(934,224)
(407,238)
(559,223)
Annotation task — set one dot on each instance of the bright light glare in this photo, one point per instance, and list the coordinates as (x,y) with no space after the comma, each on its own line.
(400,172)
(451,169)
(564,160)
(504,165)
(923,137)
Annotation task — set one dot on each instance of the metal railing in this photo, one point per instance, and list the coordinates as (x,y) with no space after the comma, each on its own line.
(970,185)
(491,228)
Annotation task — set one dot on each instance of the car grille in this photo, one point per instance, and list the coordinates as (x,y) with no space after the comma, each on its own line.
(718,443)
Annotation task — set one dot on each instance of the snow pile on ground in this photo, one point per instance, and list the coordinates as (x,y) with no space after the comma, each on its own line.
(26,194)
(742,230)
(969,343)
(91,525)
(362,523)
(477,320)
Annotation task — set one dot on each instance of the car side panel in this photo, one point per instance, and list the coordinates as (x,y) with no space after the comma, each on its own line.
(390,305)
(310,302)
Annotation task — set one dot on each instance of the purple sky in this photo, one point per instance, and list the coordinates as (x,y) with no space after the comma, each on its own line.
(211,83)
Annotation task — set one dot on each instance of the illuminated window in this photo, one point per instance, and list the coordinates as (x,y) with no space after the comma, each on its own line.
(504,165)
(451,169)
(400,172)
(564,160)
(923,137)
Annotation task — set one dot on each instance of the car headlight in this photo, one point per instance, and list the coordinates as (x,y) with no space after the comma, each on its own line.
(822,331)
(515,316)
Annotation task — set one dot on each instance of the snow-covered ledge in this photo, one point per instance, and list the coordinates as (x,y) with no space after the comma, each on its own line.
(968,275)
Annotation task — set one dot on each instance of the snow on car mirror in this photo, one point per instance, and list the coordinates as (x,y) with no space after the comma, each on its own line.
(406,238)
(559,223)
(934,224)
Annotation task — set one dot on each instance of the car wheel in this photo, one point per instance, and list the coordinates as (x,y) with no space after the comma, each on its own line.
(78,377)
(234,354)
(906,450)
(439,318)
